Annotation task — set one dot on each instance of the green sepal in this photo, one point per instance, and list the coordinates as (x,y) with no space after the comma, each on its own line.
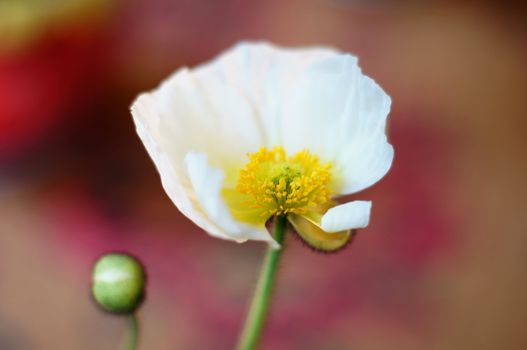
(307,227)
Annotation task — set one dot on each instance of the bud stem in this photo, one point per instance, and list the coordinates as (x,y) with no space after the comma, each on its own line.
(260,303)
(134,333)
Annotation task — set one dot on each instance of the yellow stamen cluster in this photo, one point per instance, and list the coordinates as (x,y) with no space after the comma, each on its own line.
(281,185)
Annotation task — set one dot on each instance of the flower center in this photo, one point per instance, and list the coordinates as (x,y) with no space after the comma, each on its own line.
(278,185)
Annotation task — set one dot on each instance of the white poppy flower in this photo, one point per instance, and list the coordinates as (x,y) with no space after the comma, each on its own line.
(262,131)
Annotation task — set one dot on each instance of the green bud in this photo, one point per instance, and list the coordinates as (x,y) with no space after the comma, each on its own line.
(118,283)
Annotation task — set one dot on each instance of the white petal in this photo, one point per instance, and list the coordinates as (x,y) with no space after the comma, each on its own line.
(347,216)
(177,187)
(202,113)
(207,183)
(266,76)
(340,114)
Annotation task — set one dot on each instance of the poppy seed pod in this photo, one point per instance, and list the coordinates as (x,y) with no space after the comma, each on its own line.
(118,282)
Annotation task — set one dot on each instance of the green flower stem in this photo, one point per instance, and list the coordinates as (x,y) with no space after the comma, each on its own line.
(260,303)
(134,333)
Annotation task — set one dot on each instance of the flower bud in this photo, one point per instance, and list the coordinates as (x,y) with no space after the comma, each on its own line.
(118,282)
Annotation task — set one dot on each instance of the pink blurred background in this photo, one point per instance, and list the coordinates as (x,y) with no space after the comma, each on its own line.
(441,266)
